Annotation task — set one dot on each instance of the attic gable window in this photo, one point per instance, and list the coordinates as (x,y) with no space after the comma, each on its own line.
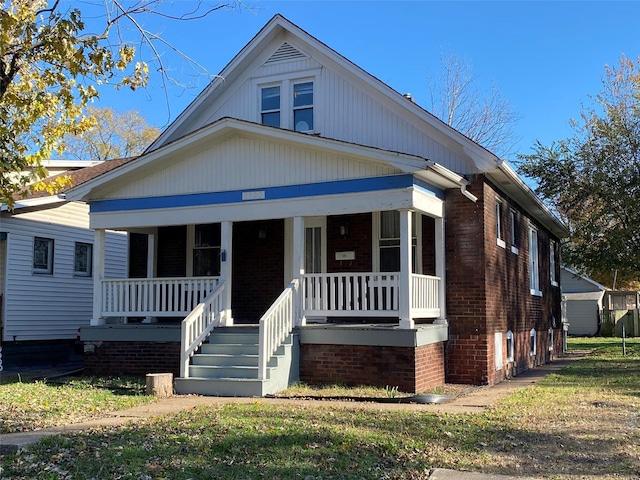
(303,107)
(270,106)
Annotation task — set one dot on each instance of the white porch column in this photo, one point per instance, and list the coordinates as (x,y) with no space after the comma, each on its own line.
(298,261)
(98,275)
(151,265)
(226,262)
(441,271)
(404,294)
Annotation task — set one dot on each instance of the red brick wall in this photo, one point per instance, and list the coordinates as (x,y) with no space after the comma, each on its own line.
(488,287)
(408,368)
(358,240)
(133,358)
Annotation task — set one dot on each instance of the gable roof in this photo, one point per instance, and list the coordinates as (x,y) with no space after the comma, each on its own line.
(77,177)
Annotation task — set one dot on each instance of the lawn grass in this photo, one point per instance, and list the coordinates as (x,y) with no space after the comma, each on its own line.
(581,422)
(36,404)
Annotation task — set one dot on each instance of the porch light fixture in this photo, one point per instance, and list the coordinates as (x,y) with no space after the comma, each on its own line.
(262,233)
(344,229)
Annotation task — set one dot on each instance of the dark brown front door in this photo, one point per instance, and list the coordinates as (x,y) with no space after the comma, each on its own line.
(258,268)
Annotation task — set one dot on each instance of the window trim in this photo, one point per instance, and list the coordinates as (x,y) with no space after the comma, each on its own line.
(50,253)
(89,271)
(534,263)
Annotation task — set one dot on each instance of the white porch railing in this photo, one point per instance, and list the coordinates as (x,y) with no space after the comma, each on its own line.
(367,294)
(154,297)
(276,324)
(424,296)
(199,324)
(350,294)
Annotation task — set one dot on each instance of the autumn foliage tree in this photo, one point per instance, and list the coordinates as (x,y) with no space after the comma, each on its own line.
(113,135)
(50,68)
(592,179)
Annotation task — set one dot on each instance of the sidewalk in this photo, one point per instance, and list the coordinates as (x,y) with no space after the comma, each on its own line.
(474,402)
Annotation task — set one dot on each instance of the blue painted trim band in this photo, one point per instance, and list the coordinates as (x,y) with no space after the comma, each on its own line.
(271,193)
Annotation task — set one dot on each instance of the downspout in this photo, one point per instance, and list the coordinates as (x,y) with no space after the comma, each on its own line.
(469,195)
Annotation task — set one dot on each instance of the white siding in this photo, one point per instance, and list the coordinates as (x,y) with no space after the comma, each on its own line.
(572,283)
(345,108)
(240,163)
(41,307)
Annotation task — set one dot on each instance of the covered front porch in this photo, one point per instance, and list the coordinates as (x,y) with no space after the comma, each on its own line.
(250,261)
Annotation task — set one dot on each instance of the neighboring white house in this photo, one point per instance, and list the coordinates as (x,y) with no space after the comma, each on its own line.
(583,302)
(46,284)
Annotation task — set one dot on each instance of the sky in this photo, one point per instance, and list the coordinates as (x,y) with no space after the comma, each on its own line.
(546,57)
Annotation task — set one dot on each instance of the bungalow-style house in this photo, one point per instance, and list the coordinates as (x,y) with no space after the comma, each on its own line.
(46,282)
(303,220)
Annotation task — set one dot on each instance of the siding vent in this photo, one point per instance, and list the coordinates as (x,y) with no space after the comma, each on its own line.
(286,52)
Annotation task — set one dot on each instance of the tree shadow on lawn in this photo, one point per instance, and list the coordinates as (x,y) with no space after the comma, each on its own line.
(260,441)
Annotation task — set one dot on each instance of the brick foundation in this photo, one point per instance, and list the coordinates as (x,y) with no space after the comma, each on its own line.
(132,358)
(411,369)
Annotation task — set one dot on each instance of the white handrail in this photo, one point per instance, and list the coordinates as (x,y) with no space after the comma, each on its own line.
(154,297)
(199,324)
(276,324)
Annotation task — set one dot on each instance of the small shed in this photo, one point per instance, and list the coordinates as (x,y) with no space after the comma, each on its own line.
(583,302)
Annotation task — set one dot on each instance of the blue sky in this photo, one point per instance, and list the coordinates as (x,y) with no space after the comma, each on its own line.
(546,57)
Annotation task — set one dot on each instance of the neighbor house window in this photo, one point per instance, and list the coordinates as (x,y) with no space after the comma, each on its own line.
(206,250)
(513,231)
(534,264)
(82,259)
(510,347)
(389,241)
(552,263)
(270,106)
(43,255)
(499,237)
(303,107)
(532,342)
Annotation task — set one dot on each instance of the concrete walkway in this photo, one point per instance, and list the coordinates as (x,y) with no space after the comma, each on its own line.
(476,401)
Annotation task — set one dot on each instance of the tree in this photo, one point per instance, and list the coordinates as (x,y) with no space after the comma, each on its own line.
(485,117)
(50,68)
(114,135)
(592,179)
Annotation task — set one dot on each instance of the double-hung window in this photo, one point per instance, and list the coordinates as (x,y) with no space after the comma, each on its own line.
(288,104)
(552,263)
(303,107)
(499,238)
(43,255)
(513,229)
(82,259)
(389,241)
(206,250)
(534,263)
(270,106)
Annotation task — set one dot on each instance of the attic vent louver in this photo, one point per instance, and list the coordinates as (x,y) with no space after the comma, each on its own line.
(285,52)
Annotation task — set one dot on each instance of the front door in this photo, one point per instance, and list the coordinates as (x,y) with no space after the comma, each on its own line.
(315,253)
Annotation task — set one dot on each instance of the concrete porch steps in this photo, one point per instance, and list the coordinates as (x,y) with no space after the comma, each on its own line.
(227,366)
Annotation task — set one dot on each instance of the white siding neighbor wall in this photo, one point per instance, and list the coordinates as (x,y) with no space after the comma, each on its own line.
(42,306)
